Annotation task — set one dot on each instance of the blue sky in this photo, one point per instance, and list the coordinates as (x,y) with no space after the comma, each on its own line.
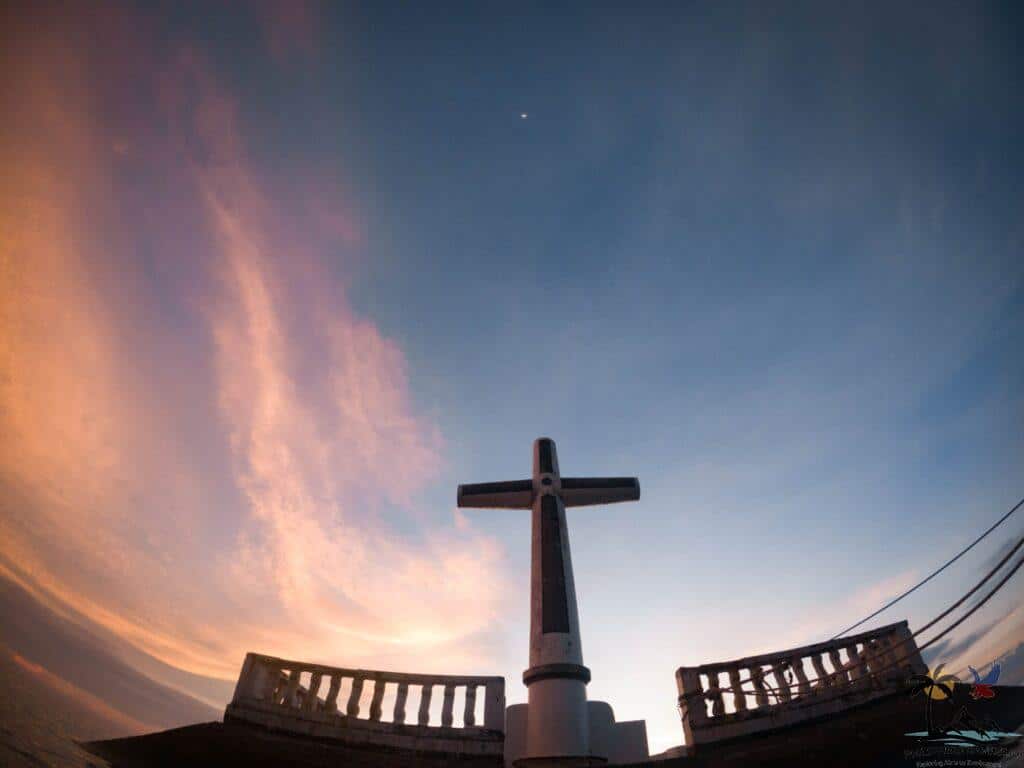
(768,260)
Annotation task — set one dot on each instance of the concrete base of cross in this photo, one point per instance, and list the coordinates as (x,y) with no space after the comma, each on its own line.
(611,743)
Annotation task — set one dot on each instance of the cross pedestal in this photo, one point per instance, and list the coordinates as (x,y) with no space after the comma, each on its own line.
(557,731)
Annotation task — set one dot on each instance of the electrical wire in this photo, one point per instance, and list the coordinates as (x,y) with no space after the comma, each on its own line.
(935,573)
(766,688)
(839,691)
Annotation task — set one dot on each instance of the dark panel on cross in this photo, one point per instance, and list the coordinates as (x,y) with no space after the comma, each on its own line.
(546,465)
(574,483)
(505,486)
(554,605)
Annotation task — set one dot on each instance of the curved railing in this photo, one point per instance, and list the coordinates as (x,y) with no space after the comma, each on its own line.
(728,699)
(303,698)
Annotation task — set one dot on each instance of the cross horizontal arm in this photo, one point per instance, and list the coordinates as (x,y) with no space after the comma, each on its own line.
(584,491)
(511,494)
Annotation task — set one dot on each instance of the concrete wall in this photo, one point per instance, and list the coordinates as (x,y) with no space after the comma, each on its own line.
(355,731)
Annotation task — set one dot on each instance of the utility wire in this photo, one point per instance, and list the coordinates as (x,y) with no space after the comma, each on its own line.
(935,573)
(767,688)
(962,600)
(815,698)
(841,690)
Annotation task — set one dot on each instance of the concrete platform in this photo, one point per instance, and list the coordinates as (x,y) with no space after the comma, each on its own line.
(230,745)
(872,736)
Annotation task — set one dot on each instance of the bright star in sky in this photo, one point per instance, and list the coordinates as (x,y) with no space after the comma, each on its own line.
(522,115)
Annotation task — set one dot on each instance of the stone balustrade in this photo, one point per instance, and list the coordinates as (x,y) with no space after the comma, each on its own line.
(309,699)
(726,700)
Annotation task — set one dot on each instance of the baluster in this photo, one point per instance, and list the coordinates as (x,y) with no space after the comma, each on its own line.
(714,695)
(277,697)
(403,694)
(757,678)
(824,679)
(840,677)
(331,704)
(424,714)
(469,712)
(375,702)
(310,701)
(803,684)
(853,665)
(282,688)
(864,667)
(276,689)
(781,684)
(858,667)
(872,661)
(494,705)
(353,700)
(290,690)
(888,653)
(447,718)
(870,655)
(271,683)
(739,698)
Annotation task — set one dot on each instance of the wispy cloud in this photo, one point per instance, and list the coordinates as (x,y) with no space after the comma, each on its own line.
(239,465)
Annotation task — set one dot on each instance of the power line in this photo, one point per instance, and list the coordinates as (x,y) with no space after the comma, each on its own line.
(768,688)
(935,573)
(962,600)
(815,697)
(948,629)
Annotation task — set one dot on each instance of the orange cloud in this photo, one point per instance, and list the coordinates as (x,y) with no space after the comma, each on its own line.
(224,457)
(307,458)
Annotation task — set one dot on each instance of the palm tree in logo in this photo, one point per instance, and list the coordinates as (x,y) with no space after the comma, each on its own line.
(934,686)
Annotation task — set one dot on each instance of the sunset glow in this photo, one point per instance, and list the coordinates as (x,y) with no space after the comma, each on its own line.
(210,446)
(276,277)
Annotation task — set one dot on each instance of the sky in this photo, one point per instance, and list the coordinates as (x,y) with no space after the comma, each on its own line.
(276,277)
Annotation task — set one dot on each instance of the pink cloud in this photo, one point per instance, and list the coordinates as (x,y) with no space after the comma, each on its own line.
(251,485)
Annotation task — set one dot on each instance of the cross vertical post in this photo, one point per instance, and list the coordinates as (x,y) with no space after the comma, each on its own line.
(556,680)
